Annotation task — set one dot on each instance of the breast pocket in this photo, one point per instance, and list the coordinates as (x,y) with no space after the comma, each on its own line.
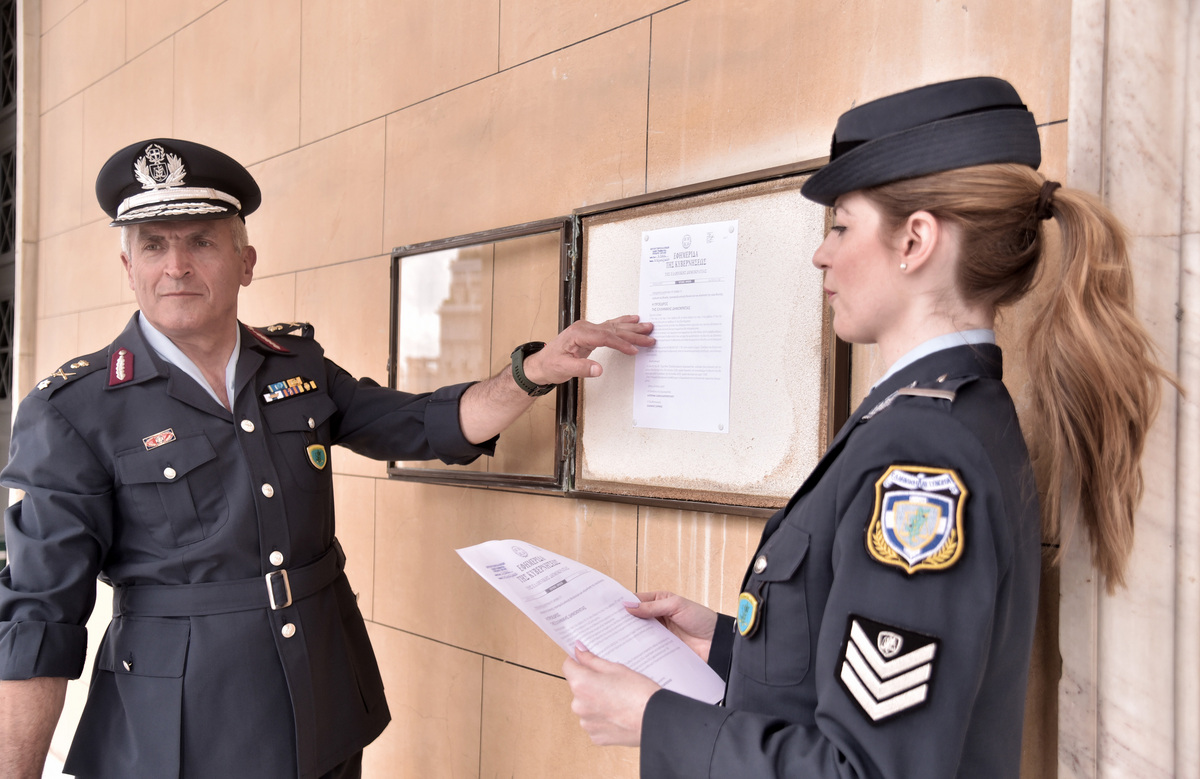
(302,432)
(779,651)
(174,490)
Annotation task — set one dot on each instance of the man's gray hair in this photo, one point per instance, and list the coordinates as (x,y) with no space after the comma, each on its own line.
(237,230)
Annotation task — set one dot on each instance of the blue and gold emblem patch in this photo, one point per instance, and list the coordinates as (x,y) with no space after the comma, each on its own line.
(917,523)
(747,615)
(317,456)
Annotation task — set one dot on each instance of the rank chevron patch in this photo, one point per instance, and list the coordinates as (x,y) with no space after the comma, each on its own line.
(885,669)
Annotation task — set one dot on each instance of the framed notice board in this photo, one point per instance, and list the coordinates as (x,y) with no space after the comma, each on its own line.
(788,375)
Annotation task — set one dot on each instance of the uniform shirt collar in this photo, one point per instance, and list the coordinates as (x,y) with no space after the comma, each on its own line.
(937,344)
(165,348)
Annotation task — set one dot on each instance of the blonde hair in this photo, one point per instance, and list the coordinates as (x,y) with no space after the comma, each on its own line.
(1094,377)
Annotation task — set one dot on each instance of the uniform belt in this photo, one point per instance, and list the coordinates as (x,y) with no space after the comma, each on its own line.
(276,590)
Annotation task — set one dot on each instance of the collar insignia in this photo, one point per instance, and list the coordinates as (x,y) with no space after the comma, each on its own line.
(120,368)
(917,522)
(158,169)
(885,669)
(267,342)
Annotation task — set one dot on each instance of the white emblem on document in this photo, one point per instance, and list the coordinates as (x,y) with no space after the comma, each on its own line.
(883,679)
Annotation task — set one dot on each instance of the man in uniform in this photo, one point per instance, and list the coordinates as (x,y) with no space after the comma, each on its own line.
(187,465)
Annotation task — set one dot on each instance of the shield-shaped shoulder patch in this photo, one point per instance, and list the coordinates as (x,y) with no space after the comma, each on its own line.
(917,522)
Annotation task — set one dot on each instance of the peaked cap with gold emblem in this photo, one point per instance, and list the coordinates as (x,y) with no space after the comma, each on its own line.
(164,179)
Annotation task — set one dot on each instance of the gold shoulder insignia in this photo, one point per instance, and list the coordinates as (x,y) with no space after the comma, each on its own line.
(304,329)
(917,522)
(68,372)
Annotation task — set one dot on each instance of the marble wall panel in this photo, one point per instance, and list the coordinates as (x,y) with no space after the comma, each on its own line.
(367,59)
(98,327)
(348,306)
(79,270)
(434,692)
(88,44)
(531,28)
(268,300)
(699,555)
(149,22)
(354,502)
(57,342)
(130,105)
(245,102)
(755,100)
(418,527)
(54,11)
(530,732)
(532,142)
(322,203)
(61,185)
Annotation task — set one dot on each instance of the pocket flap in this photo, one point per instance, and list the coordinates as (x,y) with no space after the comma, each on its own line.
(145,647)
(294,414)
(164,464)
(784,552)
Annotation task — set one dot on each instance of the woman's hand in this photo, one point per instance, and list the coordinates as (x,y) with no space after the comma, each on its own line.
(693,623)
(609,700)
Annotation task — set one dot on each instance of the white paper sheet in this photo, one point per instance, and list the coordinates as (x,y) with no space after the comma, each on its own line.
(686,290)
(572,602)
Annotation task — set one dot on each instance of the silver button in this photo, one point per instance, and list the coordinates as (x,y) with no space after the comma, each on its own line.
(128,665)
(169,472)
(760,564)
(247,425)
(268,490)
(311,423)
(276,557)
(288,630)
(941,378)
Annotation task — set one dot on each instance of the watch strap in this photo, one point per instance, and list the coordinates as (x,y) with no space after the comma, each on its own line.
(518,369)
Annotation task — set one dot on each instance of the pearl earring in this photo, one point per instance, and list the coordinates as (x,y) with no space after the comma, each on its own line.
(903,266)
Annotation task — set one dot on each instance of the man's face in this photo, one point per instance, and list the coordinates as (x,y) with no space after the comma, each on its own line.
(186,276)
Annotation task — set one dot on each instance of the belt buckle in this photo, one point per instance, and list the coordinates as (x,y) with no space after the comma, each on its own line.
(287,588)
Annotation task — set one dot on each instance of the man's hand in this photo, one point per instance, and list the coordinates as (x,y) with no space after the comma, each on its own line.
(487,408)
(565,357)
(609,700)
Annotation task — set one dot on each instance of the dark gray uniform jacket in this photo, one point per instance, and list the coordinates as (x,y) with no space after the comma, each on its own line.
(133,473)
(859,668)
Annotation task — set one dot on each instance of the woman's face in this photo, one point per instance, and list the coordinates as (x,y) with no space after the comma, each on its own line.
(861,270)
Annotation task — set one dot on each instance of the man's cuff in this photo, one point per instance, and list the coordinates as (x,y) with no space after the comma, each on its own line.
(41,649)
(444,431)
(678,736)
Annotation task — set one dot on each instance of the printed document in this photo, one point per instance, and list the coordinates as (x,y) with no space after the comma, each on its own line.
(686,290)
(572,602)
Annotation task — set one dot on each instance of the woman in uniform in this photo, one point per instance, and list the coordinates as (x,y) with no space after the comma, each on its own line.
(885,624)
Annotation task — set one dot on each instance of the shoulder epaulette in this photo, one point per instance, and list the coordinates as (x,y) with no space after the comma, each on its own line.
(71,371)
(304,329)
(944,388)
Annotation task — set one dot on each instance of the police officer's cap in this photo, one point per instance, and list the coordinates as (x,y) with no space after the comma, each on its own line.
(954,124)
(164,179)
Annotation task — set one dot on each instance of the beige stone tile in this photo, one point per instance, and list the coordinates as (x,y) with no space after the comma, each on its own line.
(419,526)
(525,308)
(246,104)
(78,271)
(151,21)
(61,186)
(98,327)
(54,11)
(85,46)
(366,59)
(1054,152)
(354,501)
(755,99)
(701,556)
(321,203)
(531,28)
(434,693)
(532,142)
(130,105)
(353,464)
(57,340)
(348,305)
(539,736)
(268,300)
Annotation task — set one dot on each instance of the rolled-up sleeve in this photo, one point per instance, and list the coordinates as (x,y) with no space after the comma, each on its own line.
(57,537)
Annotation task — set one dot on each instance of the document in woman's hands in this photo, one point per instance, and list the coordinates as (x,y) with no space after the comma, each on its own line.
(572,602)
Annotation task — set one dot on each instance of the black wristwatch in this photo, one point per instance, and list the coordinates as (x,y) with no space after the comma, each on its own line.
(518,369)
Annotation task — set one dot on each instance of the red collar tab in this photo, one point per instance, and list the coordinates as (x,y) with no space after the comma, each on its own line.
(120,367)
(267,342)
